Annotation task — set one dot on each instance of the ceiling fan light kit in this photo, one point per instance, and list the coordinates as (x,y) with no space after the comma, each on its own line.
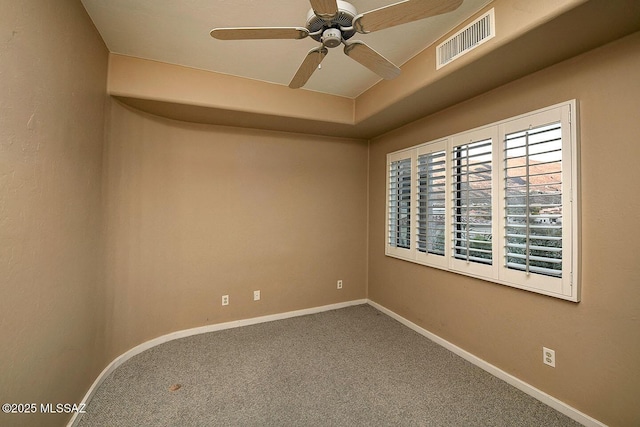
(331,37)
(334,22)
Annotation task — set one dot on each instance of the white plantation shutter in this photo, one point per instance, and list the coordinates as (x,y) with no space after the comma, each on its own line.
(498,202)
(533,200)
(539,181)
(399,204)
(431,199)
(472,202)
(431,210)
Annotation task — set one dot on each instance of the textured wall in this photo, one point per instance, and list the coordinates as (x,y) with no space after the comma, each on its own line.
(193,212)
(197,211)
(52,95)
(597,341)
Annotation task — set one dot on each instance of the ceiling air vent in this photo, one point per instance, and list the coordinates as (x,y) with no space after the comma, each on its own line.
(467,39)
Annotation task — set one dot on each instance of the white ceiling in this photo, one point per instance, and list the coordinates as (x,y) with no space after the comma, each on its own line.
(177,32)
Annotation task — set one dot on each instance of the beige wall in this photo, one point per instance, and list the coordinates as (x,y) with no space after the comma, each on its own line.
(597,341)
(195,212)
(104,246)
(52,95)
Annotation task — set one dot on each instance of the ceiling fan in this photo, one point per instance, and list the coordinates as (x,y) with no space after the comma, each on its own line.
(335,22)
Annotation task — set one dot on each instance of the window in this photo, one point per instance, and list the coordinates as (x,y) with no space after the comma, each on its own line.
(431,203)
(472,208)
(399,206)
(498,203)
(533,200)
(431,187)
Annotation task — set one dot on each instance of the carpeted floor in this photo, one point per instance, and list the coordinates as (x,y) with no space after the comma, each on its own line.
(348,367)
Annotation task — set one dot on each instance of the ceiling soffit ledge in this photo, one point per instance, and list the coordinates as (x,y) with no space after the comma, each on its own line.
(529,36)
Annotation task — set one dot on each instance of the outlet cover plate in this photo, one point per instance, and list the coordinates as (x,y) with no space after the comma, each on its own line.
(549,357)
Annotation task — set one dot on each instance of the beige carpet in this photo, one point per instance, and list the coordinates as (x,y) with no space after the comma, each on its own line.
(348,367)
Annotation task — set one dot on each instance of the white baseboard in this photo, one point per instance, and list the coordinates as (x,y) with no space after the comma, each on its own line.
(543,397)
(196,331)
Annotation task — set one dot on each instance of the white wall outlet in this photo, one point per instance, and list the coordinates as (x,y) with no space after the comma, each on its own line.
(549,357)
(339,284)
(256,295)
(225,299)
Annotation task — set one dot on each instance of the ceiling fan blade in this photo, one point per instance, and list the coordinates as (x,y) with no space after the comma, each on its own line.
(257,33)
(309,65)
(371,59)
(402,13)
(326,9)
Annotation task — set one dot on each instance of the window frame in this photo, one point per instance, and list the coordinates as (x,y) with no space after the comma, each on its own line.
(566,287)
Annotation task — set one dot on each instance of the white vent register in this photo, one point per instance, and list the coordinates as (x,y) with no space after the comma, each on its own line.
(473,35)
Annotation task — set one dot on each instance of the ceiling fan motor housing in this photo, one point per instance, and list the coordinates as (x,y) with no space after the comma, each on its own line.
(343,19)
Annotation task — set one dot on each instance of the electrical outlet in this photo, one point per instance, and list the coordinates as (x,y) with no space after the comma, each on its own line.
(225,299)
(339,284)
(549,357)
(256,295)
